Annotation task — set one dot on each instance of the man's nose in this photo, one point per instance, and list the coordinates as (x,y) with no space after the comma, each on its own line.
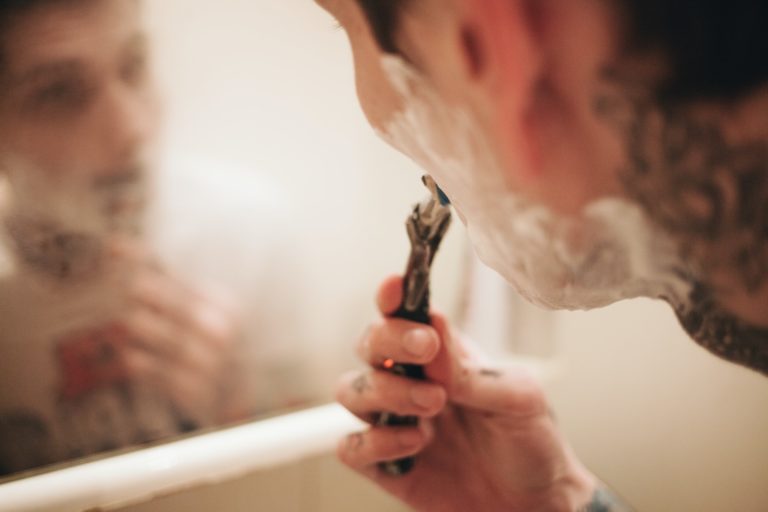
(127,121)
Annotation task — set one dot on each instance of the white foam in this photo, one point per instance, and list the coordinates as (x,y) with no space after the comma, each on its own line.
(610,252)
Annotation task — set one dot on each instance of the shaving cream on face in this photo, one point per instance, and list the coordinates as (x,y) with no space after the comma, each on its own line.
(58,221)
(610,252)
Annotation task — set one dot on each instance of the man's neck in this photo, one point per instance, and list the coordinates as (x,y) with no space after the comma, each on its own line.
(749,306)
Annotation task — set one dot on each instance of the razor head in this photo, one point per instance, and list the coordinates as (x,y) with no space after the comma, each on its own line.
(436,191)
(426,228)
(431,217)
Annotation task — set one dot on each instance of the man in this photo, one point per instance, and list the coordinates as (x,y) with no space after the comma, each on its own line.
(596,150)
(103,343)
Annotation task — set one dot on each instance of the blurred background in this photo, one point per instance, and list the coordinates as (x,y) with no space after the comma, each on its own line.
(262,93)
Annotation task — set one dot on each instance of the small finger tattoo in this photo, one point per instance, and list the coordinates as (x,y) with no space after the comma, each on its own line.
(487,372)
(361,384)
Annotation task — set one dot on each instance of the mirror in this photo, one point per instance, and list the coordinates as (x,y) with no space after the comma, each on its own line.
(184,246)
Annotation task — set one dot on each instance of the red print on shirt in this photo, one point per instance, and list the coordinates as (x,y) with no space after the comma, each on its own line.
(89,360)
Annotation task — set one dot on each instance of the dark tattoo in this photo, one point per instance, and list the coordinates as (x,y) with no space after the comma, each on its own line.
(487,372)
(710,194)
(361,384)
(723,334)
(604,501)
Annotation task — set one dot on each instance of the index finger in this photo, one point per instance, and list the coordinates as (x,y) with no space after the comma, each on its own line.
(390,295)
(400,340)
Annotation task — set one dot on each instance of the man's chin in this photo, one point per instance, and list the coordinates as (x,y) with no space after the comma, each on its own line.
(569,298)
(67,252)
(62,255)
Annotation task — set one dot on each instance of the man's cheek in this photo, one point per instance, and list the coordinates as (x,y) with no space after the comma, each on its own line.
(378,99)
(49,149)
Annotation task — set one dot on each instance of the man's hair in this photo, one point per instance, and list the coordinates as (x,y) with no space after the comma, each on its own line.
(715,49)
(382,16)
(10,10)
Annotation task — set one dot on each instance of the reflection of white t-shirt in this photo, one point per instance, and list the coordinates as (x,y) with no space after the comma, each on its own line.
(212,226)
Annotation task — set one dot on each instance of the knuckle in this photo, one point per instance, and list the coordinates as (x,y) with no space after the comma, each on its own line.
(426,401)
(345,384)
(437,399)
(341,452)
(348,448)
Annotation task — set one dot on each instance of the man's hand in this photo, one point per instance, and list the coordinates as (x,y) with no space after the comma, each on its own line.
(486,441)
(178,339)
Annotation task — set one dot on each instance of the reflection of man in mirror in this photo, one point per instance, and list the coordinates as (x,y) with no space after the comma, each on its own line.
(596,151)
(102,345)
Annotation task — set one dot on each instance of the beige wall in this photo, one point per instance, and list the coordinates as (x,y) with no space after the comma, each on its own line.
(672,427)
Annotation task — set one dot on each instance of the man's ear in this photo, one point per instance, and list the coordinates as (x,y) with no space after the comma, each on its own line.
(503,59)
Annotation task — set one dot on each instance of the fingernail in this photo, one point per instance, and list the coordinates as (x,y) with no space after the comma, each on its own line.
(418,342)
(425,397)
(409,438)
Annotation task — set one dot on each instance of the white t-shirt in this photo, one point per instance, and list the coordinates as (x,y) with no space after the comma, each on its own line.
(210,224)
